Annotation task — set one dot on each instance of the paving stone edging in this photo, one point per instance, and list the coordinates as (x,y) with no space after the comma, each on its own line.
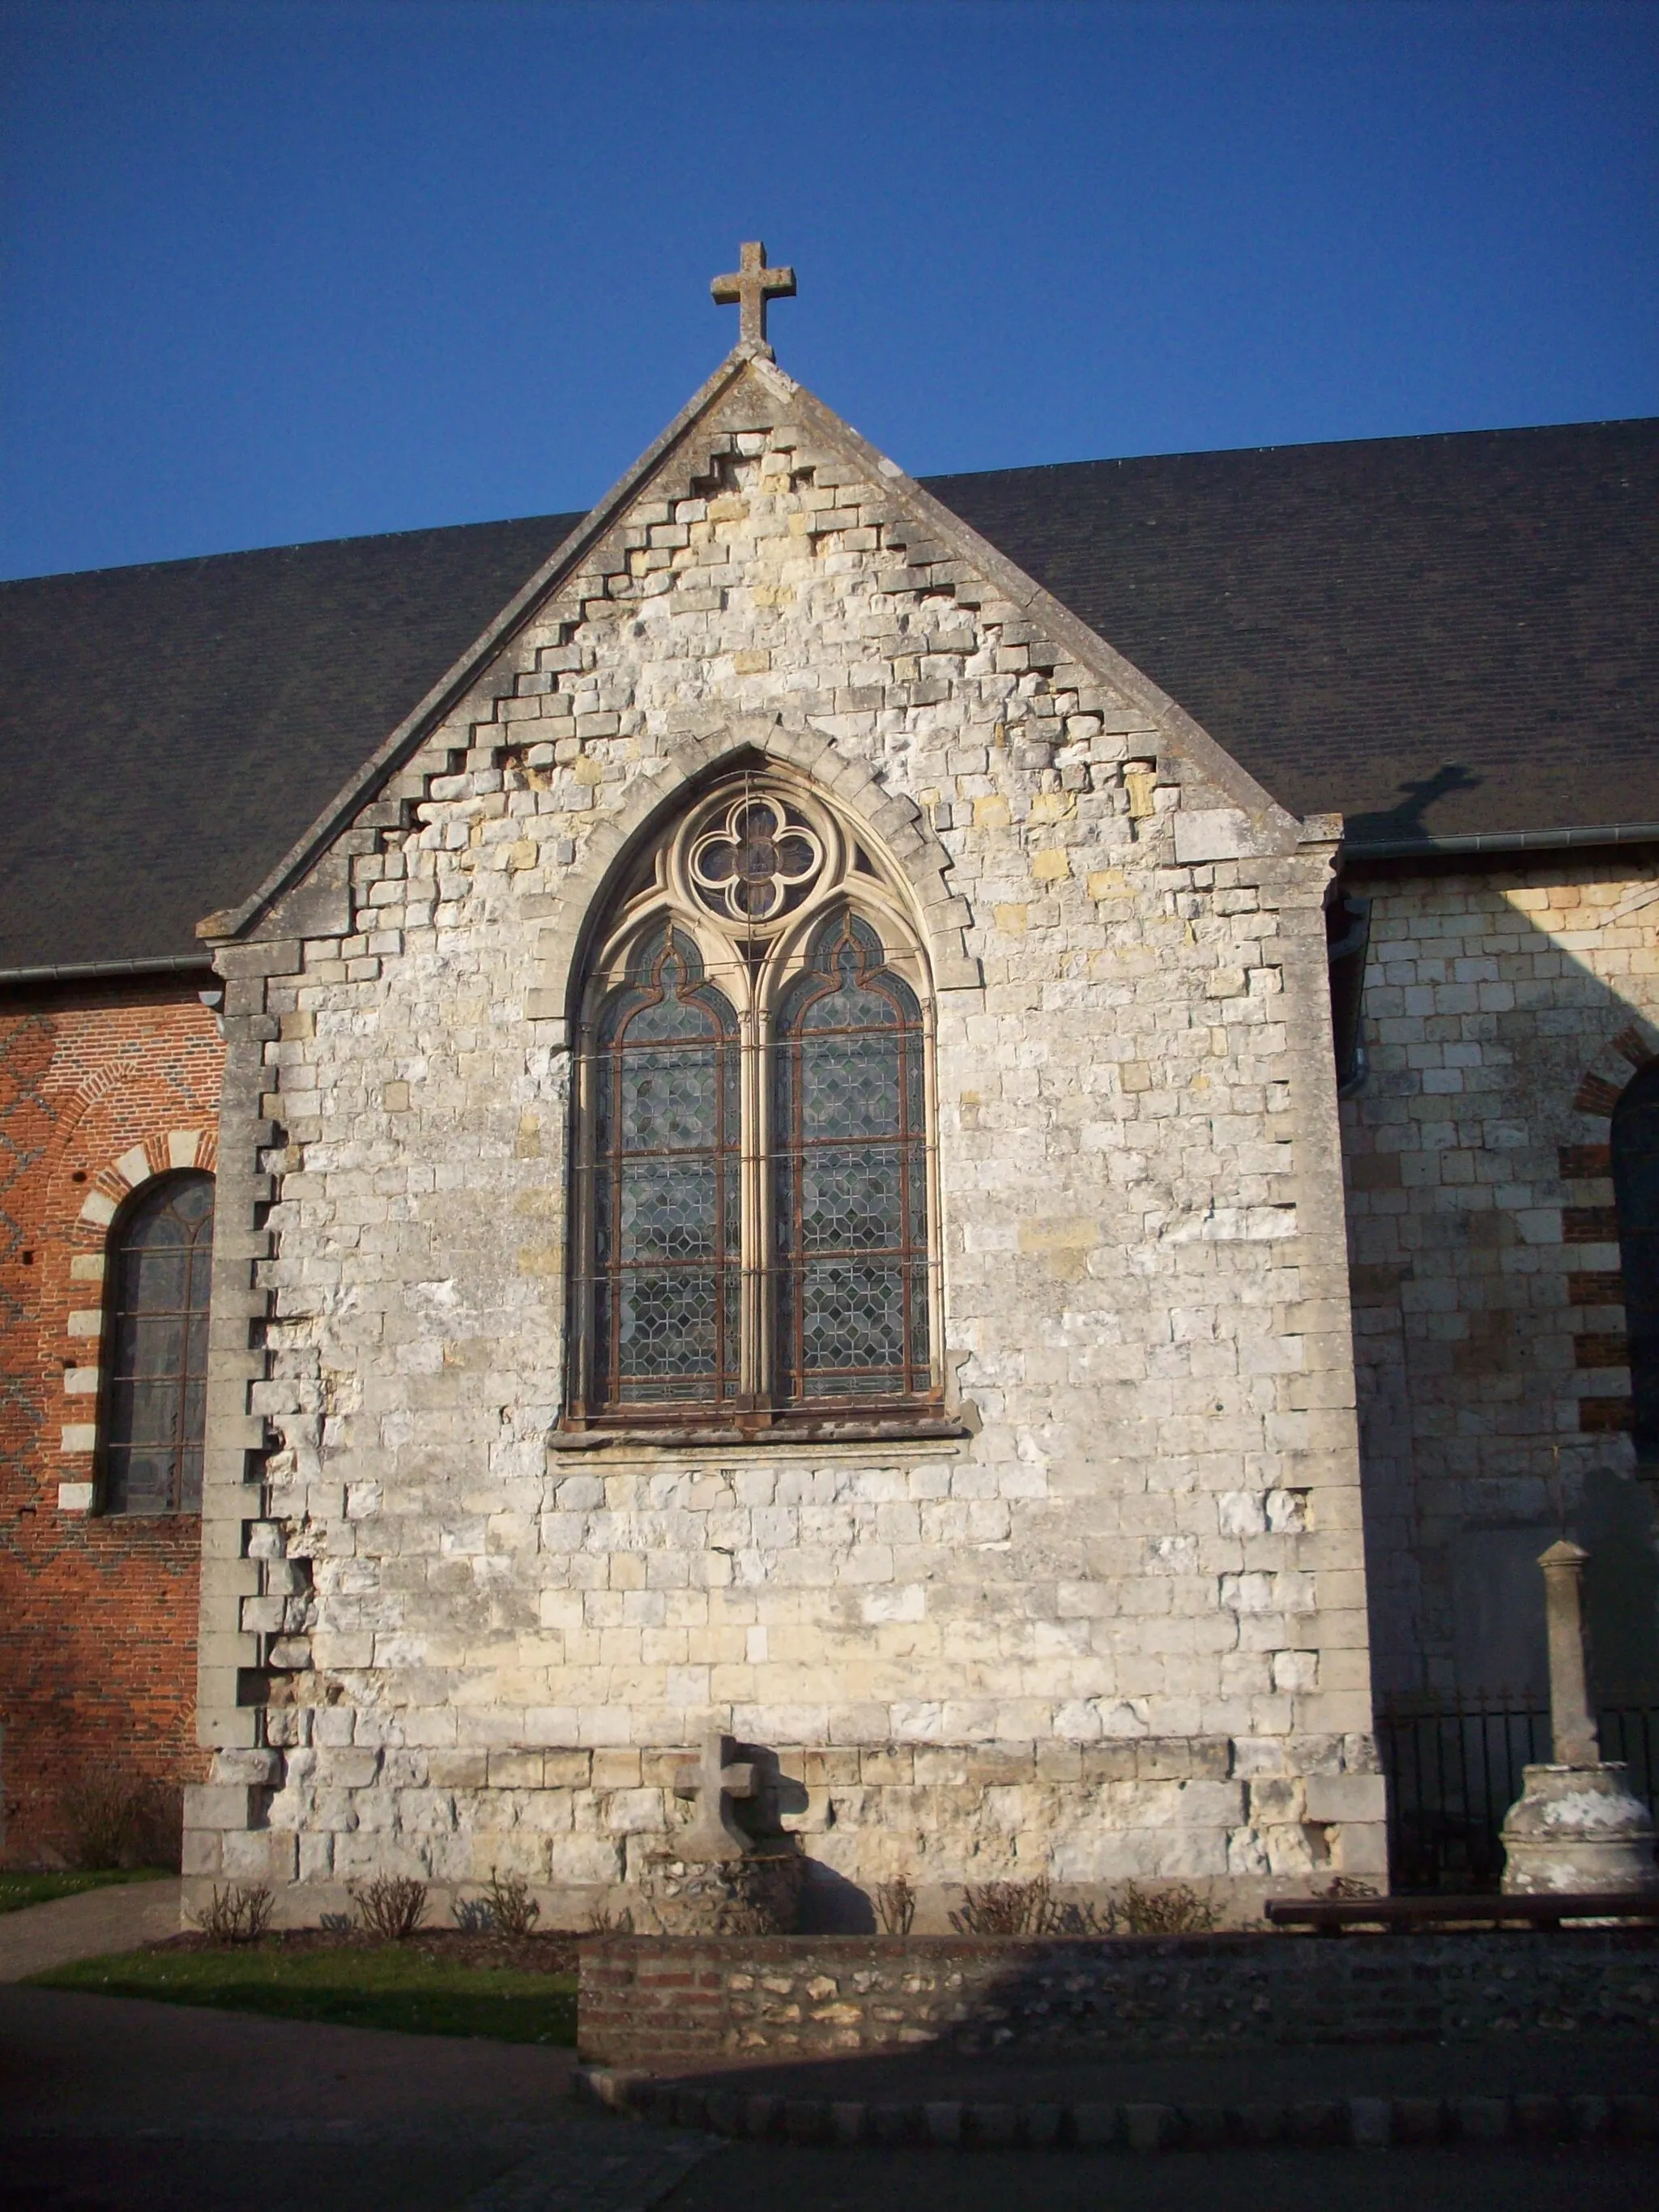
(1355,2123)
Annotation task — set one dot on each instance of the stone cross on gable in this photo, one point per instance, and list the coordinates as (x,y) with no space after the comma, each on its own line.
(751,285)
(715,1779)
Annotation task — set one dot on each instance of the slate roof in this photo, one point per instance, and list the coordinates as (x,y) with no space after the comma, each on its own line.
(1442,636)
(167,731)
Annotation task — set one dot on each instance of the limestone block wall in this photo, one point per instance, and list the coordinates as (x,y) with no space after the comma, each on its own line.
(1118,1624)
(1504,1011)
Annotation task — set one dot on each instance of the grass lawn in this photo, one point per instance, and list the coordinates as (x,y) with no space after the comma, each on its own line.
(393,1985)
(17,1890)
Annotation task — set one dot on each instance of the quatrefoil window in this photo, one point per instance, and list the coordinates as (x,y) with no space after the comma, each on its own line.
(758,863)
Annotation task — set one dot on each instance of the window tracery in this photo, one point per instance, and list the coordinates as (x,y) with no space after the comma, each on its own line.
(753,1210)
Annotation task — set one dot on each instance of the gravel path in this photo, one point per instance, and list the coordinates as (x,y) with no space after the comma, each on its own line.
(118,1919)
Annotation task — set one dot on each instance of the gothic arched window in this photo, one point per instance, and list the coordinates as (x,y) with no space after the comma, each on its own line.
(753,1186)
(159,1258)
(1636,1196)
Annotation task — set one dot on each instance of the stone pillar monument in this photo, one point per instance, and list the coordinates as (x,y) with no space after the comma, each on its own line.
(1578,1825)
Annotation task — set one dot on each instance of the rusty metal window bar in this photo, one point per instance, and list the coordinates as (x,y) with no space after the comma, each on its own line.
(753,1207)
(159,1260)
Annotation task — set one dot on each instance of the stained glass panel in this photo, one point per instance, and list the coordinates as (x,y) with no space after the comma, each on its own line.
(850,1176)
(666,1192)
(155,1391)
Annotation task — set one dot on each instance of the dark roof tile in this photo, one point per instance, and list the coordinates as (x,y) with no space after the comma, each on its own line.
(1447,635)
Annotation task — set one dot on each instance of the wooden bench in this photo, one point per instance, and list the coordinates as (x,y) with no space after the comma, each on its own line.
(1331,1916)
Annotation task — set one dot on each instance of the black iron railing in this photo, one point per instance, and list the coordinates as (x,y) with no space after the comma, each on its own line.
(1454,1769)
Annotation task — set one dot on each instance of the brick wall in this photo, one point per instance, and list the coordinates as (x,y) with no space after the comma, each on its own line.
(1504,1013)
(677,2003)
(97,1613)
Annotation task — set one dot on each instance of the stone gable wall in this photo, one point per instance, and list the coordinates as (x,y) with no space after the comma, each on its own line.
(431,1643)
(1504,1011)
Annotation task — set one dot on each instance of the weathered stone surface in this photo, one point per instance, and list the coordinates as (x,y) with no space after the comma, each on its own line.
(1139,1562)
(1505,1012)
(756,1895)
(1579,1828)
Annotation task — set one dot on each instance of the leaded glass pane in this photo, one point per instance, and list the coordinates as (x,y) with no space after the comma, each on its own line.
(155,1391)
(850,1176)
(849,1085)
(666,1190)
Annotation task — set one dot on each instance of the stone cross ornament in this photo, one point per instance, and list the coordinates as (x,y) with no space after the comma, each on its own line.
(714,1781)
(751,285)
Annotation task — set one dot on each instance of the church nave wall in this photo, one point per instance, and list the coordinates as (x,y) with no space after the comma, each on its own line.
(1505,1012)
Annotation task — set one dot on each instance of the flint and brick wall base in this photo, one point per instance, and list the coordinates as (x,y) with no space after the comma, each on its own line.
(678,2003)
(98,1612)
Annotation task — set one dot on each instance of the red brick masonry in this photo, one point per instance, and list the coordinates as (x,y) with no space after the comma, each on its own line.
(677,2002)
(97,1613)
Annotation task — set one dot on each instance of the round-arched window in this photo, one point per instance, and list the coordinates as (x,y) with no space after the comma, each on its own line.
(1636,1194)
(160,1256)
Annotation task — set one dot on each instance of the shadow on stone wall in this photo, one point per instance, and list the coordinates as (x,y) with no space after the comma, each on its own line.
(1485,1282)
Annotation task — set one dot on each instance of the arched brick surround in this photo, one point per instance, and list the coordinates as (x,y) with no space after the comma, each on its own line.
(1586,1170)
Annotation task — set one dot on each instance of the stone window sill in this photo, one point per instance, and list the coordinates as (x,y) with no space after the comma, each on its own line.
(924,1429)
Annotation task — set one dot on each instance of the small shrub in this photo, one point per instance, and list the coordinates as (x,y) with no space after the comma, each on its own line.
(114,1820)
(392,1907)
(513,1910)
(896,1905)
(1346,1889)
(1008,1908)
(237,1915)
(1030,1908)
(1176,1911)
(105,1816)
(601,1921)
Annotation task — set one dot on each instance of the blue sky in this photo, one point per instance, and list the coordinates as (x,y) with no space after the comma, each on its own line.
(281,271)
